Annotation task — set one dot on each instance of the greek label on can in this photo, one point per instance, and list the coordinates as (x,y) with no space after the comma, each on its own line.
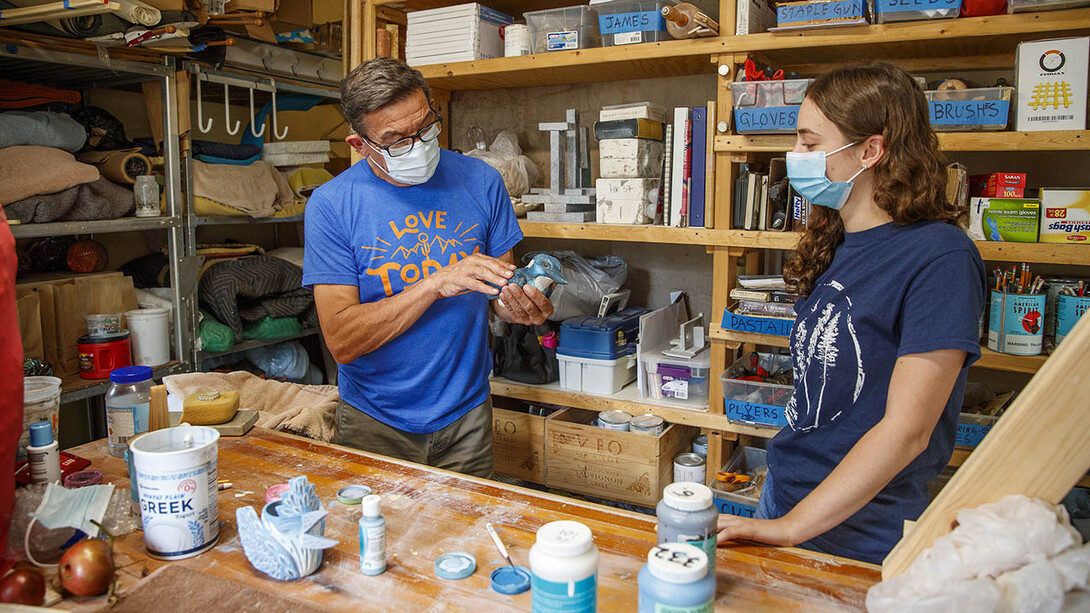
(180,509)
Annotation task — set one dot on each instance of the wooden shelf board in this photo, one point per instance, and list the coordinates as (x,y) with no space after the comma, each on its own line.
(513,8)
(1012,363)
(1061,140)
(644,61)
(718,333)
(626,233)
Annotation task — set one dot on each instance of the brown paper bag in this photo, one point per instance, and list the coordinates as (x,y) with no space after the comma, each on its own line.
(75,300)
(46,318)
(30,325)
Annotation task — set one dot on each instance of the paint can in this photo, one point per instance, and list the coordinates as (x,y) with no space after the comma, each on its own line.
(614,420)
(689,467)
(1068,312)
(647,423)
(516,40)
(176,474)
(1016,324)
(150,335)
(700,445)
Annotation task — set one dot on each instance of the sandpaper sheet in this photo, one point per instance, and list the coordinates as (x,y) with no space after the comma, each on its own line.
(199,592)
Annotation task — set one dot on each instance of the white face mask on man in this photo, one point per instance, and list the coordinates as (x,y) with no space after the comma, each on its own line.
(415,167)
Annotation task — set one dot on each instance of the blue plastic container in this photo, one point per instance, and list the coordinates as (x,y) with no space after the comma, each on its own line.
(675,578)
(601,338)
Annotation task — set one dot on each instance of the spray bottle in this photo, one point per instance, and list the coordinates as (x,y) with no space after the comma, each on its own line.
(372,537)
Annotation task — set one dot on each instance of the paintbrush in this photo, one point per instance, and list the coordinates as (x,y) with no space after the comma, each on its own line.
(499,543)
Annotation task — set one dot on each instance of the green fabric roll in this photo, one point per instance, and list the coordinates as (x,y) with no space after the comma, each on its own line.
(214,335)
(270,328)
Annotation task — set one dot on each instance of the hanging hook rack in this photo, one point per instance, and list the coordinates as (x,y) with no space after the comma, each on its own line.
(205,128)
(227,112)
(253,122)
(276,129)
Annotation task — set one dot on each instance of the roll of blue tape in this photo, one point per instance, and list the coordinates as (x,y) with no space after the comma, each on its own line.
(455,565)
(511,579)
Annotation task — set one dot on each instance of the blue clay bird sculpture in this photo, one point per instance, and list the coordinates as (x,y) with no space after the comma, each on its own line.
(542,272)
(286,543)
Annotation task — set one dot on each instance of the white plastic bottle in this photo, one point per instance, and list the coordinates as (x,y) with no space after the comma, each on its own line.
(42,454)
(372,537)
(564,569)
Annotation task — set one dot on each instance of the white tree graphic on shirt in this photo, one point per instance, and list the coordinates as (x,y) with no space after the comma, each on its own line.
(823,345)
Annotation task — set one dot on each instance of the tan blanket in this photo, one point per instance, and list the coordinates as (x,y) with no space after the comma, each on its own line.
(29,170)
(258,190)
(307,410)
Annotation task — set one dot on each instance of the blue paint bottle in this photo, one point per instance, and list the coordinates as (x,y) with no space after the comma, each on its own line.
(372,537)
(676,579)
(687,514)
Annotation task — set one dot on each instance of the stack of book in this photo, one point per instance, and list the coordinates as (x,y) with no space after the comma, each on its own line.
(764,296)
(454,34)
(630,154)
(764,200)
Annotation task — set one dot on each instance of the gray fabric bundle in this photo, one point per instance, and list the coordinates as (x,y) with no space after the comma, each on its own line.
(102,199)
(41,128)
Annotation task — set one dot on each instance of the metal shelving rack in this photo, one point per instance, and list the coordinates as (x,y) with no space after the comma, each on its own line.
(40,65)
(263,84)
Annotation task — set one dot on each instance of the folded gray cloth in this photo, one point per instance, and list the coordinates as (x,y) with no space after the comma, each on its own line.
(41,128)
(102,199)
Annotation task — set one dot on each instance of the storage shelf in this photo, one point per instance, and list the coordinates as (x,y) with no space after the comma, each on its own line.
(1062,140)
(74,388)
(222,220)
(625,233)
(1034,253)
(731,336)
(68,228)
(255,343)
(513,8)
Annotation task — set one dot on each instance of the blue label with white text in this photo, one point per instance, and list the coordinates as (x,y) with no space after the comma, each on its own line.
(969,112)
(563,597)
(735,508)
(766,118)
(801,14)
(753,413)
(911,6)
(757,325)
(643,21)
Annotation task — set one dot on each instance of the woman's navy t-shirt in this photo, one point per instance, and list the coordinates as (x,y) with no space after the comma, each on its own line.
(890,291)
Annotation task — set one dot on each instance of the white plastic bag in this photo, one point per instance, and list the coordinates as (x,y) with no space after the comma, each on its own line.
(518,171)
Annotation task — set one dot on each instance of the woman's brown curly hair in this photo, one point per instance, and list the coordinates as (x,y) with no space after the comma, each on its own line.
(909,180)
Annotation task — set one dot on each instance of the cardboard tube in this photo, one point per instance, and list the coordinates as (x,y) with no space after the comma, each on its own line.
(119,166)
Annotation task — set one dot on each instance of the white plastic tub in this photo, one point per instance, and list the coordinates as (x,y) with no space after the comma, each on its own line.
(150,333)
(602,377)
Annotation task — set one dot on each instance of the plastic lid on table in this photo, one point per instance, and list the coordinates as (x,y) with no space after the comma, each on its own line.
(455,565)
(511,579)
(352,494)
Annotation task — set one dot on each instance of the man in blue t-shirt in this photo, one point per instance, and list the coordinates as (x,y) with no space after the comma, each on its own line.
(402,253)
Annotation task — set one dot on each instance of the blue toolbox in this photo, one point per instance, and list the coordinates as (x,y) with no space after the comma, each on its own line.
(601,338)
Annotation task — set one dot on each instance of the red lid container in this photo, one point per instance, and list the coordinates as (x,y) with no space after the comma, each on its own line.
(98,355)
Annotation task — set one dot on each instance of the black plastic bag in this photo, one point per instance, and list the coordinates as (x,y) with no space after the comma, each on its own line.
(520,356)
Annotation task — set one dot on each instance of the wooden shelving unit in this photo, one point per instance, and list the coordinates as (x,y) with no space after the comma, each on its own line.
(1014,142)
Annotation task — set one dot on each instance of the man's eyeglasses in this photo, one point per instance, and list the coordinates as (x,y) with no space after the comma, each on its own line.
(403,146)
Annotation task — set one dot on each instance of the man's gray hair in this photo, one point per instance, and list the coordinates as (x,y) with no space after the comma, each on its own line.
(375,84)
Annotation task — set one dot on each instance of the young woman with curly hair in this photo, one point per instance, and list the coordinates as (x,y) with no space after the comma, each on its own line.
(885,331)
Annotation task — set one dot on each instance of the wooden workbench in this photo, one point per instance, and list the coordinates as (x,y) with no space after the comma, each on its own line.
(430,512)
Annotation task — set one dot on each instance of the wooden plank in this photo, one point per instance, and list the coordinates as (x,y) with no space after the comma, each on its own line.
(1062,140)
(626,233)
(511,7)
(158,413)
(1039,448)
(717,332)
(1013,363)
(431,511)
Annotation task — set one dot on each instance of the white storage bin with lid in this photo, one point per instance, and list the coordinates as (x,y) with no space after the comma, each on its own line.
(563,29)
(678,380)
(602,377)
(768,107)
(969,110)
(916,10)
(625,22)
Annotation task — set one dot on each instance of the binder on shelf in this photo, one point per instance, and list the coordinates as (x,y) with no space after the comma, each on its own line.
(698,187)
(677,179)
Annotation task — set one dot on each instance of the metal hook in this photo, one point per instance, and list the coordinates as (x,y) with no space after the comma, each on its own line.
(276,130)
(252,130)
(227,113)
(203,127)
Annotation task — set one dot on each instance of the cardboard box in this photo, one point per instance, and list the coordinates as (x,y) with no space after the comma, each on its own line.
(1052,84)
(518,444)
(1010,220)
(624,466)
(998,185)
(1065,216)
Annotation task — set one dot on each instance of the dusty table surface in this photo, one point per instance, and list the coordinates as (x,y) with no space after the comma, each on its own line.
(430,512)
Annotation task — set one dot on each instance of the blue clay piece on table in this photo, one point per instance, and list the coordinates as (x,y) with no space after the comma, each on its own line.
(286,543)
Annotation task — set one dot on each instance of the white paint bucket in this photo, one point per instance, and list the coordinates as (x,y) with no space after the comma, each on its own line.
(179,503)
(149,330)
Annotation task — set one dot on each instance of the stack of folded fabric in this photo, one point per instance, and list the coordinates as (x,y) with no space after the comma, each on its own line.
(257,189)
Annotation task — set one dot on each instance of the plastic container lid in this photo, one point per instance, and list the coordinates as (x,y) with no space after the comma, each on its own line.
(372,505)
(677,563)
(41,434)
(352,494)
(130,374)
(454,565)
(100,340)
(275,492)
(511,579)
(686,496)
(564,538)
(37,389)
(147,313)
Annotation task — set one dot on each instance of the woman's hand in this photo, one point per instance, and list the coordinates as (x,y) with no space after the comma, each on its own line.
(769,531)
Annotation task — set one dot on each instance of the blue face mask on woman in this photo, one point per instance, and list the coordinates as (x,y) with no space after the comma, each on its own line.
(806,172)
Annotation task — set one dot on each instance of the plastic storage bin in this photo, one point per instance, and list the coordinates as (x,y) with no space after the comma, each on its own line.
(916,10)
(1026,6)
(602,377)
(677,379)
(563,29)
(755,402)
(768,107)
(970,110)
(601,338)
(625,22)
(745,460)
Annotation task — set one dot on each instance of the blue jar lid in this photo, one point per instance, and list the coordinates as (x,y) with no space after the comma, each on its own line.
(455,565)
(511,579)
(130,374)
(41,433)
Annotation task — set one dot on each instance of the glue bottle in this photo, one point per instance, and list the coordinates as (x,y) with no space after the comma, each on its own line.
(42,454)
(372,537)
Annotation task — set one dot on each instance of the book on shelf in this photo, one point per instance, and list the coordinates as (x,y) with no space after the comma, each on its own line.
(762,204)
(750,294)
(677,179)
(738,203)
(628,128)
(762,282)
(667,174)
(709,166)
(635,110)
(754,17)
(698,183)
(765,309)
